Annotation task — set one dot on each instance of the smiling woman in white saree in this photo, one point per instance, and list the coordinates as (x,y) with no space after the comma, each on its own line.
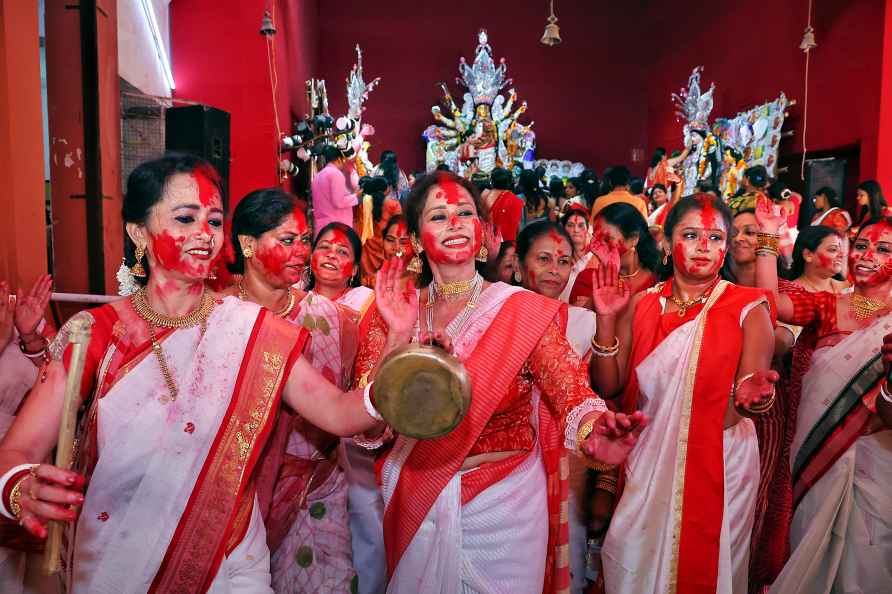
(180,391)
(841,455)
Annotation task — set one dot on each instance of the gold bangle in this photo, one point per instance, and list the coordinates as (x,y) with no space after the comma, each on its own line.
(15,496)
(584,431)
(762,407)
(581,435)
(605,350)
(768,241)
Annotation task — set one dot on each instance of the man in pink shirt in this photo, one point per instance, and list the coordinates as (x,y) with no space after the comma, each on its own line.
(333,193)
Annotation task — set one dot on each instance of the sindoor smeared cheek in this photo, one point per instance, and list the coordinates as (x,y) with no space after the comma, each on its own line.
(824,260)
(168,251)
(678,258)
(274,258)
(316,262)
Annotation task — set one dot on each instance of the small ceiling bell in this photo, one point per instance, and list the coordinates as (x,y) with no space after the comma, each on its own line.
(266,25)
(552,35)
(808,40)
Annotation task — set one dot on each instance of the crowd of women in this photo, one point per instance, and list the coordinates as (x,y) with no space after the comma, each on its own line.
(664,397)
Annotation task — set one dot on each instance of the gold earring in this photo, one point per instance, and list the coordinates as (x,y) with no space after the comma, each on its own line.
(665,258)
(415,264)
(137,270)
(517,277)
(482,254)
(248,252)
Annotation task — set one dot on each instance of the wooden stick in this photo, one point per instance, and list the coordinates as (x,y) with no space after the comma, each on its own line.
(79,336)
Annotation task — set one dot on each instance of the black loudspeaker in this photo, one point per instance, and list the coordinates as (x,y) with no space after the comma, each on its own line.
(202,131)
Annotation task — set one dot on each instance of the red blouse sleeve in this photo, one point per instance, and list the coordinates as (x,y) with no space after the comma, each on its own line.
(371,345)
(563,379)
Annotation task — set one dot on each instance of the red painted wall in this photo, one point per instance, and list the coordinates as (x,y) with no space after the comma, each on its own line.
(884,152)
(220,59)
(585,95)
(751,51)
(594,98)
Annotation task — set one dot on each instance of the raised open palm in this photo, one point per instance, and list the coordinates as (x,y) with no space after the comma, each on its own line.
(398,307)
(770,216)
(30,307)
(609,295)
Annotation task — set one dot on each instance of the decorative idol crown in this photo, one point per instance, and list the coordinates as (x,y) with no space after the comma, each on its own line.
(357,89)
(483,79)
(692,106)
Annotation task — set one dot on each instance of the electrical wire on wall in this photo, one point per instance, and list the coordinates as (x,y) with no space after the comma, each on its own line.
(268,30)
(807,44)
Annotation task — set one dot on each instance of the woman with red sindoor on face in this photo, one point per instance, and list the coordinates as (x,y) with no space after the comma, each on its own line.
(620,236)
(544,260)
(841,450)
(451,501)
(693,353)
(301,485)
(180,390)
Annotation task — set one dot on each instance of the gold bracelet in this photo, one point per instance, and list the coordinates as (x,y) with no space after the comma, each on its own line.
(768,241)
(762,407)
(604,351)
(15,496)
(584,431)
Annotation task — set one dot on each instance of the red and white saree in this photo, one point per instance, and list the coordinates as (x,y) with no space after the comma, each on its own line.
(170,503)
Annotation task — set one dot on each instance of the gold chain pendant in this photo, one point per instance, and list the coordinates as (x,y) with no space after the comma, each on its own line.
(864,308)
(153,319)
(282,313)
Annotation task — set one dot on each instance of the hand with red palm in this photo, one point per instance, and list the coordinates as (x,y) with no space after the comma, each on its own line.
(613,436)
(609,295)
(30,307)
(398,307)
(770,216)
(604,249)
(755,389)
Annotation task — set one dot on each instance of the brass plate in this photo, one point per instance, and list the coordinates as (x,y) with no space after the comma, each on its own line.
(422,391)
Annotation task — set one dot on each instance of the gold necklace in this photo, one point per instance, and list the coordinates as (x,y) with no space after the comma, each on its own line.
(622,277)
(454,290)
(292,299)
(153,319)
(683,306)
(864,308)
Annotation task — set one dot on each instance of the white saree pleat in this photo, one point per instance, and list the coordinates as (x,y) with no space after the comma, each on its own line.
(246,570)
(841,535)
(151,452)
(474,548)
(637,552)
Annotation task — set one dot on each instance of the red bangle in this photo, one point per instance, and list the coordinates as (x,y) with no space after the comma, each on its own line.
(7,488)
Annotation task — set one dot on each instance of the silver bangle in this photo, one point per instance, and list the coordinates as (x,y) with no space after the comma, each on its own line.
(884,393)
(367,401)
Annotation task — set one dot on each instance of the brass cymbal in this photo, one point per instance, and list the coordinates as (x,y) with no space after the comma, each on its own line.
(422,391)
